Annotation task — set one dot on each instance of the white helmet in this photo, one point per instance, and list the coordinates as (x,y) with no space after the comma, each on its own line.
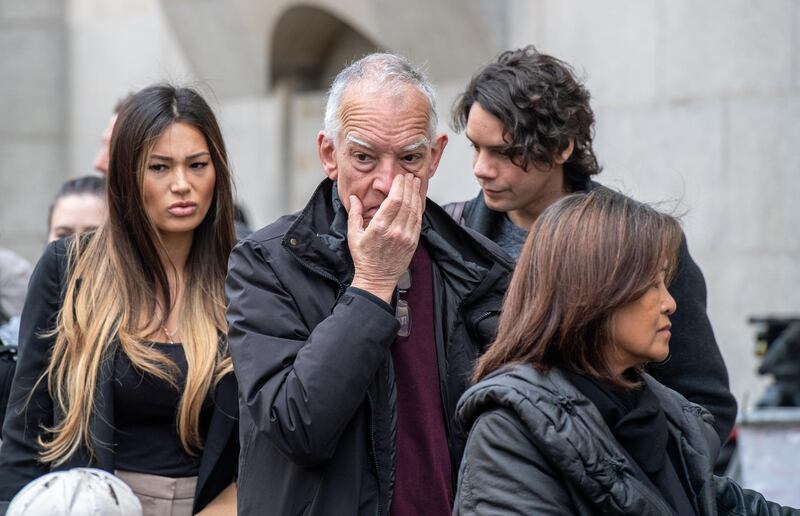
(76,492)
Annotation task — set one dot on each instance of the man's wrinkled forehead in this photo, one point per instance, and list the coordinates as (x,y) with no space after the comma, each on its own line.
(363,101)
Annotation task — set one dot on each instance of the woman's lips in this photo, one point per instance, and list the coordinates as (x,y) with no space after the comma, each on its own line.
(182,209)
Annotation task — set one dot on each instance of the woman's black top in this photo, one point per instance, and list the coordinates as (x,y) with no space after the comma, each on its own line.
(145,419)
(637,421)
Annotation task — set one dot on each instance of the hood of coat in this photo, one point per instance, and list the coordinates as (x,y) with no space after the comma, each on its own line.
(570,432)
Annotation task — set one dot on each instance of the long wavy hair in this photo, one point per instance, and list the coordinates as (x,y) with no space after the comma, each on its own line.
(586,256)
(118,289)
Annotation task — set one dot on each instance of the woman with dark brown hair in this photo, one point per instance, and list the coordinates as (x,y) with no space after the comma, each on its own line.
(563,420)
(124,362)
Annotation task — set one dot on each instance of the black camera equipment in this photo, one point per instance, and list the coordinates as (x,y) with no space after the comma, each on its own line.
(778,345)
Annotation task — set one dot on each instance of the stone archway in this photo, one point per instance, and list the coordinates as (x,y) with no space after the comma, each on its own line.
(310,45)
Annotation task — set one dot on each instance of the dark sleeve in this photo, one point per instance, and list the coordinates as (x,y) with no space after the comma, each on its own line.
(25,417)
(503,473)
(733,500)
(300,385)
(695,367)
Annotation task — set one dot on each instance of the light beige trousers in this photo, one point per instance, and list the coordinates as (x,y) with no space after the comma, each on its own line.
(161,496)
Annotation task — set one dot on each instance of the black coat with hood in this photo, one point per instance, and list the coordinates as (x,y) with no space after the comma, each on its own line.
(537,445)
(312,357)
(695,367)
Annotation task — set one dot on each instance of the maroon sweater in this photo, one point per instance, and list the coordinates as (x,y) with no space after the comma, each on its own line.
(423,469)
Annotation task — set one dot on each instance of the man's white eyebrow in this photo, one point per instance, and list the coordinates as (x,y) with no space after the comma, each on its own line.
(414,146)
(350,138)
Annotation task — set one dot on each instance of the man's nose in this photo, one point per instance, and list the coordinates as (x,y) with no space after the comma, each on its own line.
(386,171)
(482,166)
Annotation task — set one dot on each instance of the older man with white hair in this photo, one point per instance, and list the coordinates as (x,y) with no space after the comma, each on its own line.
(354,323)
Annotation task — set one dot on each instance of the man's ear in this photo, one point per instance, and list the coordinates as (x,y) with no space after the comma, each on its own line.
(564,155)
(327,155)
(436,153)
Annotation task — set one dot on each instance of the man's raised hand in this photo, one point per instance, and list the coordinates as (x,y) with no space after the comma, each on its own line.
(383,249)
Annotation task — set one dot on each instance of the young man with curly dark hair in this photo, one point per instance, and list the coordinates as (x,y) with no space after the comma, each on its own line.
(531,126)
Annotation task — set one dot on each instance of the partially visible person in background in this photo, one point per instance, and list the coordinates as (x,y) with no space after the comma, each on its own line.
(79,206)
(101,160)
(241,222)
(77,492)
(564,419)
(124,362)
(14,274)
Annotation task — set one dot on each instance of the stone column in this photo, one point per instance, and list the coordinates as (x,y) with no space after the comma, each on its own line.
(32,119)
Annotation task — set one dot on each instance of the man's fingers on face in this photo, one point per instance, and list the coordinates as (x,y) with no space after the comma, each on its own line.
(355,219)
(392,204)
(408,191)
(406,210)
(417,206)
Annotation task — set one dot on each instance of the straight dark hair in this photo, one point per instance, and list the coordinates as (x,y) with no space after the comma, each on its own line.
(144,116)
(586,256)
(123,281)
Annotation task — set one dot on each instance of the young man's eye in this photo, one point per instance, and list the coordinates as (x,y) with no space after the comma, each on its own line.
(509,153)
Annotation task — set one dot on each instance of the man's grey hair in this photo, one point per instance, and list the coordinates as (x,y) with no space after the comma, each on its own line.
(385,72)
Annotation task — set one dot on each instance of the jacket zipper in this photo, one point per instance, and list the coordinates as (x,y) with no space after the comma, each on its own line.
(483,316)
(443,387)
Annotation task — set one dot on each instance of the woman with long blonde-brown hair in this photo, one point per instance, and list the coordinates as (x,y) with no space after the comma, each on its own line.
(124,363)
(563,419)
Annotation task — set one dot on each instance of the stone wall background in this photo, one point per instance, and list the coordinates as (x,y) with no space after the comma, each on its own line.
(33,117)
(696,102)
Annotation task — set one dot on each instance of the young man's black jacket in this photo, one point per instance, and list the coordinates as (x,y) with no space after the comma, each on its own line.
(312,356)
(695,367)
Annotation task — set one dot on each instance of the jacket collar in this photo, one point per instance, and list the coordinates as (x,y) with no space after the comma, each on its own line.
(486,221)
(318,238)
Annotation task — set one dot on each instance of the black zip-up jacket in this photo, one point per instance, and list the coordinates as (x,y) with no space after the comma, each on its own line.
(695,367)
(312,356)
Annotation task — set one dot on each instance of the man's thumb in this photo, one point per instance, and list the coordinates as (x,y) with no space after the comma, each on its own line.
(355,221)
